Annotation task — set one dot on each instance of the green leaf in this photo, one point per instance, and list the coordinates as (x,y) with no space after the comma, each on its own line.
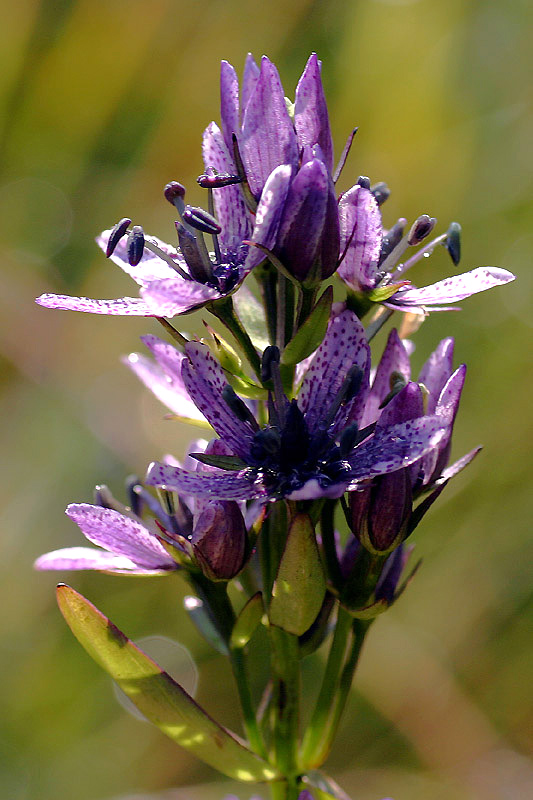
(247,622)
(203,623)
(224,462)
(251,314)
(300,586)
(156,695)
(310,335)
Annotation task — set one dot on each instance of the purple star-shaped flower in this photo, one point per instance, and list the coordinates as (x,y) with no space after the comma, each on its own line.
(310,447)
(369,259)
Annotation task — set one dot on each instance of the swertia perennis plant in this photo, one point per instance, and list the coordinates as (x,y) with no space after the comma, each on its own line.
(309,438)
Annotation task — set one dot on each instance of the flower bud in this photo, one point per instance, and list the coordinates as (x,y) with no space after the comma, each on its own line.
(379,514)
(219,540)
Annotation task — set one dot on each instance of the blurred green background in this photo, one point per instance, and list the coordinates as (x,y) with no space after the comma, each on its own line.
(103,102)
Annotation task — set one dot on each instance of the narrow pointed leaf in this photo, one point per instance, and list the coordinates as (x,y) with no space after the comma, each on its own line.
(323,787)
(300,585)
(310,335)
(202,622)
(156,695)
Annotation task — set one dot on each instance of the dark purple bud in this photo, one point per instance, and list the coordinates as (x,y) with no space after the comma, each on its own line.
(387,585)
(453,242)
(219,540)
(174,191)
(391,239)
(238,406)
(380,513)
(192,255)
(201,220)
(381,192)
(271,355)
(212,180)
(363,181)
(135,246)
(421,228)
(116,235)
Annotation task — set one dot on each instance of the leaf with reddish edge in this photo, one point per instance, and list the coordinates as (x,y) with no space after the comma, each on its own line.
(156,694)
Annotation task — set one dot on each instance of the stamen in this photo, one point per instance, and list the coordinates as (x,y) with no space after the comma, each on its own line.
(363,181)
(381,192)
(211,207)
(135,246)
(213,180)
(249,199)
(344,156)
(391,239)
(453,242)
(348,439)
(116,235)
(149,245)
(271,355)
(348,390)
(420,229)
(427,250)
(239,407)
(201,220)
(200,270)
(175,194)
(397,383)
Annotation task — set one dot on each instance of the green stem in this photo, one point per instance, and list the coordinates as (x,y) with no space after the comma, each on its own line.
(267,278)
(315,730)
(327,528)
(306,299)
(288,789)
(285,663)
(224,311)
(238,663)
(329,731)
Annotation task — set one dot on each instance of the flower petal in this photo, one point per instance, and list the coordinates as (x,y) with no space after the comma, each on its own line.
(344,345)
(88,558)
(268,138)
(230,208)
(249,79)
(361,234)
(396,446)
(451,290)
(204,380)
(120,535)
(394,359)
(123,306)
(436,371)
(176,296)
(150,267)
(234,486)
(229,103)
(268,214)
(311,118)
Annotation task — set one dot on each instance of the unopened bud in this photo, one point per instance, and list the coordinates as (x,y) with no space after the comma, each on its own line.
(116,235)
(421,228)
(201,220)
(219,540)
(135,246)
(379,514)
(453,242)
(381,192)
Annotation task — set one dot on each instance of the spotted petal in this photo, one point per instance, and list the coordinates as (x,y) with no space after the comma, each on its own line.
(361,236)
(436,371)
(123,306)
(229,103)
(249,79)
(344,345)
(120,535)
(450,290)
(234,486)
(268,138)
(268,214)
(394,359)
(176,295)
(397,446)
(204,380)
(80,558)
(150,267)
(311,118)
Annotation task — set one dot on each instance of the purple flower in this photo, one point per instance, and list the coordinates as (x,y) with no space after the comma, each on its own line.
(311,446)
(176,281)
(369,260)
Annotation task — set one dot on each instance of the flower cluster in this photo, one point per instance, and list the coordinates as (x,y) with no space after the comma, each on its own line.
(320,466)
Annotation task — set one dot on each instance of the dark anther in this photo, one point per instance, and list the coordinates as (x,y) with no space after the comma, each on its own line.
(348,439)
(453,242)
(198,269)
(135,247)
(201,220)
(391,239)
(116,235)
(238,406)
(271,356)
(421,228)
(268,441)
(174,191)
(363,181)
(212,180)
(397,383)
(381,192)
